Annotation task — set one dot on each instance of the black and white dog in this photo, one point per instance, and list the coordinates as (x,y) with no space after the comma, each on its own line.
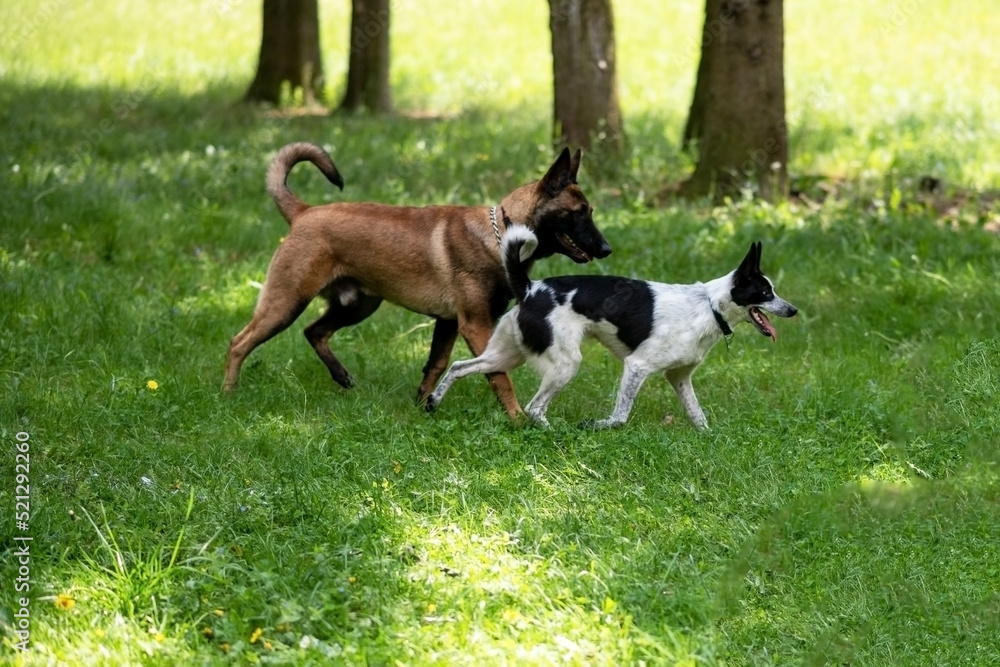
(650,326)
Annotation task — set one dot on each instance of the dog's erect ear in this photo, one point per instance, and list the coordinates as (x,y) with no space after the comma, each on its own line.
(751,263)
(574,164)
(560,175)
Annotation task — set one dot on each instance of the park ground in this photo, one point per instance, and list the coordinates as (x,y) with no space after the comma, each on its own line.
(843,509)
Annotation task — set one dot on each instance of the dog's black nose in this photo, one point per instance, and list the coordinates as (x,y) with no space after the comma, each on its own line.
(603,251)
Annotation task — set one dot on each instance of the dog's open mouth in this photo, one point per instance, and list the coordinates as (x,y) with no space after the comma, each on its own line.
(763,324)
(573,251)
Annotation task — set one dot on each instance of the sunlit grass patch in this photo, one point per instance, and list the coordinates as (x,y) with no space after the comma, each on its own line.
(480,596)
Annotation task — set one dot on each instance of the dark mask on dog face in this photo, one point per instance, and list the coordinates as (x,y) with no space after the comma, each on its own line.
(565,223)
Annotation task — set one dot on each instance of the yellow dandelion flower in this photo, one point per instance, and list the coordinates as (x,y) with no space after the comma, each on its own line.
(99,633)
(219,612)
(208,632)
(351,579)
(397,467)
(281,240)
(64,602)
(153,385)
(224,646)
(255,635)
(159,636)
(431,608)
(511,615)
(267,646)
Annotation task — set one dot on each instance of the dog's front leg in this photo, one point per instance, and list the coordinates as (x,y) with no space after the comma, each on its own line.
(477,335)
(442,342)
(557,366)
(502,354)
(458,370)
(633,377)
(680,379)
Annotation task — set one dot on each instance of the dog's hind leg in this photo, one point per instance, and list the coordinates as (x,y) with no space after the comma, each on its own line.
(445,333)
(266,323)
(680,379)
(337,316)
(634,375)
(290,286)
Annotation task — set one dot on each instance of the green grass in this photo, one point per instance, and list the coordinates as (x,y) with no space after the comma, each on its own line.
(842,509)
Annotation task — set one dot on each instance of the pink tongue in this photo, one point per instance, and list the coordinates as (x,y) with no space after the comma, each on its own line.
(762,318)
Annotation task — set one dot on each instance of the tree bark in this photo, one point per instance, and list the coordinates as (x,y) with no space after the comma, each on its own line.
(368,64)
(737,113)
(586,110)
(696,116)
(289,52)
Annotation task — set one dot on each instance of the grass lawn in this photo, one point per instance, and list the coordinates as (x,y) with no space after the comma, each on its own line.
(844,507)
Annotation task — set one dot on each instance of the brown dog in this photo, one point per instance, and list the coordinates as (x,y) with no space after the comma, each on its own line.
(443,261)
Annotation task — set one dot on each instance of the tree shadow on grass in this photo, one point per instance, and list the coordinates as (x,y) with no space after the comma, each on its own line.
(875,573)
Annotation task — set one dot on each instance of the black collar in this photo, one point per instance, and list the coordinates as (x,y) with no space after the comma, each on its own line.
(726,329)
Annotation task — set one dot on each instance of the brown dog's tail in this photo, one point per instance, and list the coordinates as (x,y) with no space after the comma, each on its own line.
(277,175)
(519,244)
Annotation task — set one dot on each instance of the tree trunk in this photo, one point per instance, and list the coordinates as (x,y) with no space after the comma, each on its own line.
(289,52)
(696,116)
(586,111)
(737,114)
(368,64)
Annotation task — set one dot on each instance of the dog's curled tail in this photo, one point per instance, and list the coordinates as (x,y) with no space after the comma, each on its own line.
(519,244)
(281,165)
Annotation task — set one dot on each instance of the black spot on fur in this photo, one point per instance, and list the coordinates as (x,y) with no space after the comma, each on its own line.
(625,303)
(752,289)
(499,300)
(533,321)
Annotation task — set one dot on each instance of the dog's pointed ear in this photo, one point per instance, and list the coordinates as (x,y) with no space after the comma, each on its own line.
(560,175)
(574,164)
(750,263)
(760,249)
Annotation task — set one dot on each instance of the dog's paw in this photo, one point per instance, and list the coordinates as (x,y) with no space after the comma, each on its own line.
(600,424)
(521,419)
(344,379)
(537,418)
(431,403)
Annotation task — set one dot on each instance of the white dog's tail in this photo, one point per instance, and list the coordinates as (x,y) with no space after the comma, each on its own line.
(519,244)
